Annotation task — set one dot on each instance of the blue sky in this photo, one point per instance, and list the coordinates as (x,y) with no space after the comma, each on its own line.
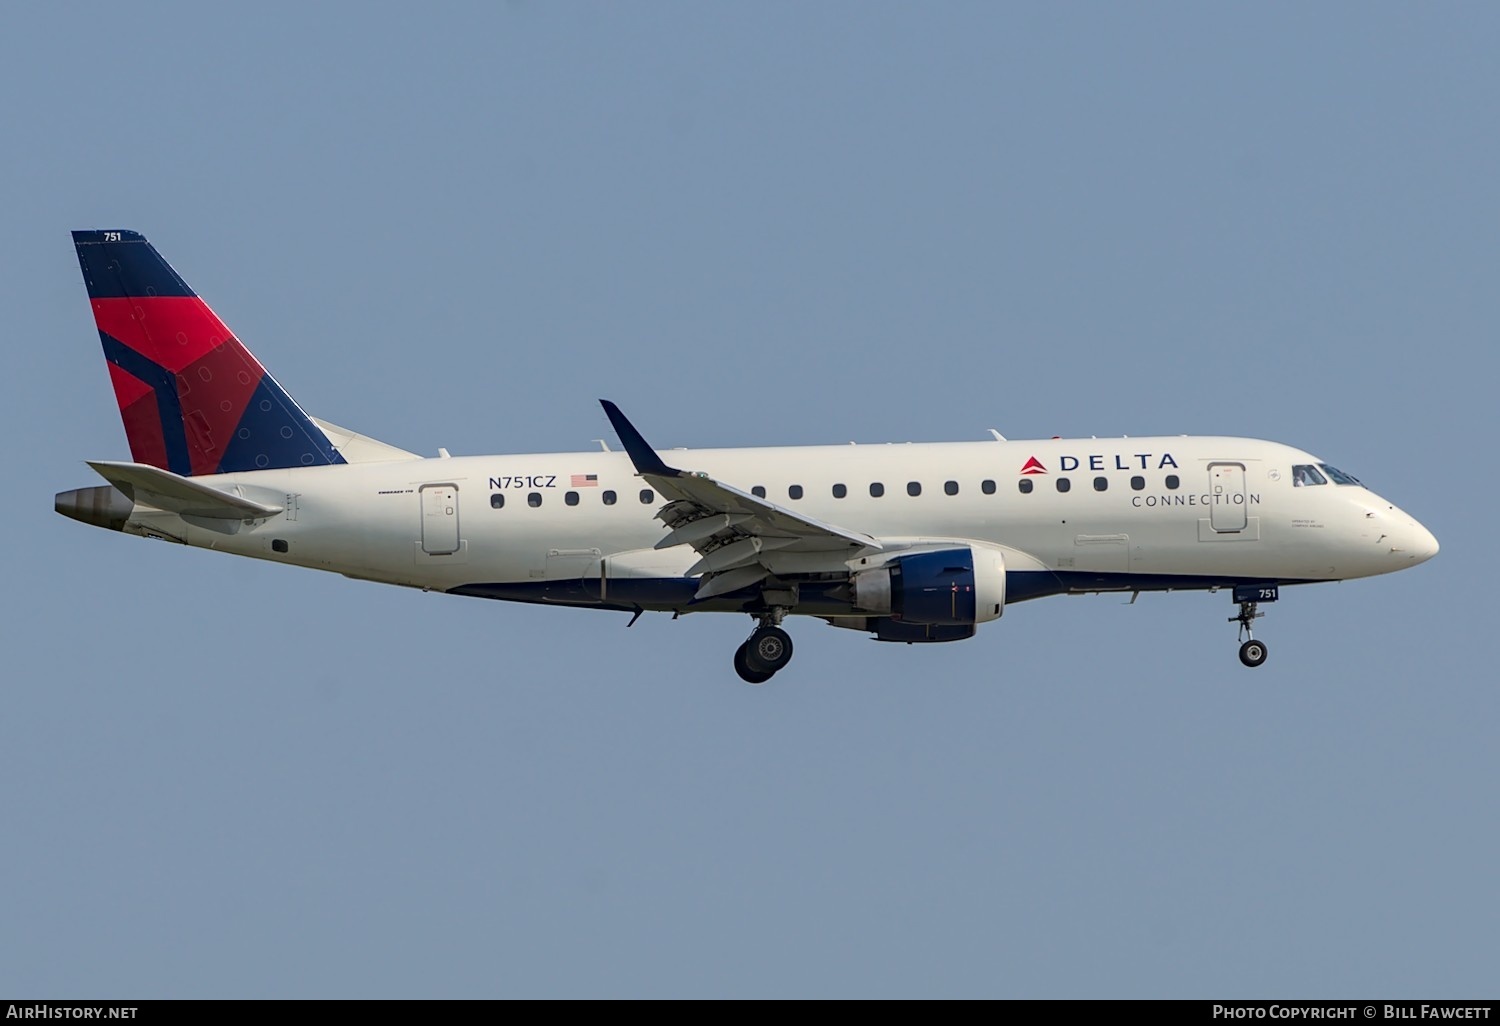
(759,224)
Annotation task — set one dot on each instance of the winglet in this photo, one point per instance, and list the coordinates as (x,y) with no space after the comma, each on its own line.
(641,454)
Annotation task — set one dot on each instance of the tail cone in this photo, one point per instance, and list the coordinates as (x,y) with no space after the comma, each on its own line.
(103,506)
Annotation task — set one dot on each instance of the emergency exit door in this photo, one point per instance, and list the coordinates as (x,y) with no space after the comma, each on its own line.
(439,520)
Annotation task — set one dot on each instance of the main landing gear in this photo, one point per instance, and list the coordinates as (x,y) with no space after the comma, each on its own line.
(766,651)
(1252,652)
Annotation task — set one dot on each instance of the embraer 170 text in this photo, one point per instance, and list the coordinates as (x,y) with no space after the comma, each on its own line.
(906,542)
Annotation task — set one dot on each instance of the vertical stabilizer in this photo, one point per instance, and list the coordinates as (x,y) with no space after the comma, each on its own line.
(193,399)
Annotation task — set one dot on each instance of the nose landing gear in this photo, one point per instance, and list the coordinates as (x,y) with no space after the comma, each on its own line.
(1252,652)
(766,651)
(1249,597)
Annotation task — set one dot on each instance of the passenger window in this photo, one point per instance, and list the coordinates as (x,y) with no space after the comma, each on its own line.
(759,491)
(839,491)
(794,492)
(1137,483)
(1304,476)
(1063,484)
(876,489)
(914,488)
(571,498)
(497,500)
(1025,486)
(646,496)
(1101,484)
(609,498)
(950,487)
(987,487)
(534,499)
(1173,482)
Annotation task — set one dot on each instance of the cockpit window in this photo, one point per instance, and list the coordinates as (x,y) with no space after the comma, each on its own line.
(1339,477)
(1307,475)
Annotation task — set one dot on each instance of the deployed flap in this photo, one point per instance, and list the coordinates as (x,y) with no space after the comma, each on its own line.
(699,503)
(163,489)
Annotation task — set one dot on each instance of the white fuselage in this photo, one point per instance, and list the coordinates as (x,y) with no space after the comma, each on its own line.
(1139,514)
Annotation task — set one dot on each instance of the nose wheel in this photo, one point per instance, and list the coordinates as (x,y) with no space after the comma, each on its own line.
(1252,652)
(764,653)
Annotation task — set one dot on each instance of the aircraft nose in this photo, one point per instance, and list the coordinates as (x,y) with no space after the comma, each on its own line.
(1410,543)
(1424,546)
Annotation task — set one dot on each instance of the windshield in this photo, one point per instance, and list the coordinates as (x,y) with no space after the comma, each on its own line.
(1307,475)
(1339,477)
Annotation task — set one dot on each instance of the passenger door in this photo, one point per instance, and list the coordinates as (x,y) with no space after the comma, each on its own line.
(1227,512)
(440,519)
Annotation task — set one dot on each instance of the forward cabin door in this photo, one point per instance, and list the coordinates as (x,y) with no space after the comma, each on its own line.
(1227,514)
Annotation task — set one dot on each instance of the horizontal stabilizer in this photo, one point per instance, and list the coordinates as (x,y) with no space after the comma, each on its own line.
(151,486)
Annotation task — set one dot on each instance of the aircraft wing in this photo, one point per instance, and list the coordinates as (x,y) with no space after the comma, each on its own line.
(734,532)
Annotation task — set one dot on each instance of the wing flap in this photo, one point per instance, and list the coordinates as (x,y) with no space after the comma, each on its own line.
(718,584)
(740,552)
(705,527)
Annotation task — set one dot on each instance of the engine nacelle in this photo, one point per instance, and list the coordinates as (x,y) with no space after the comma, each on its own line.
(958,586)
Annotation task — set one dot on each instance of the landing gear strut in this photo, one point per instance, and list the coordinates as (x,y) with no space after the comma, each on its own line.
(1252,652)
(766,651)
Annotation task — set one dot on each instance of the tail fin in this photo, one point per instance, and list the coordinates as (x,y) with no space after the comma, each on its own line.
(193,399)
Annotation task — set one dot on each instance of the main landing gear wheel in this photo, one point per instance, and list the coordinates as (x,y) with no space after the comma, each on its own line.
(742,667)
(769,649)
(1253,653)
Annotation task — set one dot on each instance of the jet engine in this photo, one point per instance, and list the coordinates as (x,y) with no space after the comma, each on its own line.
(952,589)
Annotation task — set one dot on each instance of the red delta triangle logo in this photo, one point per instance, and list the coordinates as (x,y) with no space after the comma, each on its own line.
(1033,466)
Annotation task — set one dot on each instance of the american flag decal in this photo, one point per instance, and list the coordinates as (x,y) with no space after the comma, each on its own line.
(585,480)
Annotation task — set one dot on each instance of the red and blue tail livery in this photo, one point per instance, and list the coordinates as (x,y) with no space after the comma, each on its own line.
(193,399)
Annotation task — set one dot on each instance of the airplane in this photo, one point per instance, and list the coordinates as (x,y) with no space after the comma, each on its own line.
(914,543)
